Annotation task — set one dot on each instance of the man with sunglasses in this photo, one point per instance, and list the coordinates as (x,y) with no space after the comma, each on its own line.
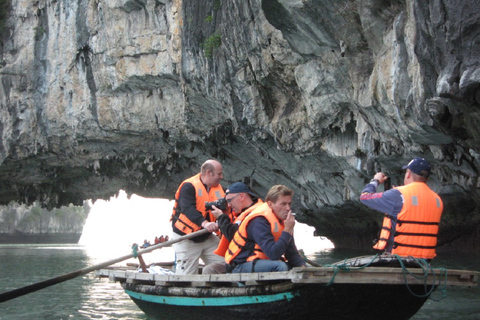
(241,201)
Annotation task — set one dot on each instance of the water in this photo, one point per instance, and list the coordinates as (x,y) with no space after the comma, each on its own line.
(460,303)
(84,297)
(87,297)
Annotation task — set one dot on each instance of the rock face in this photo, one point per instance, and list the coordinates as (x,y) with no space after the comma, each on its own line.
(102,95)
(33,224)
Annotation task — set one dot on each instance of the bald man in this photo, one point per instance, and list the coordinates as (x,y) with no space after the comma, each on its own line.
(190,215)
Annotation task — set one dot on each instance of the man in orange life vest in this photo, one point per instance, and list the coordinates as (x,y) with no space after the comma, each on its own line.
(412,212)
(242,201)
(190,215)
(265,237)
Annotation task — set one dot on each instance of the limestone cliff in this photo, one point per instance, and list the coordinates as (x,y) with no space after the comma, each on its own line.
(103,95)
(20,223)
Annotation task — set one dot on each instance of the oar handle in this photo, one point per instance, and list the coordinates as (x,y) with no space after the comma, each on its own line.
(5,296)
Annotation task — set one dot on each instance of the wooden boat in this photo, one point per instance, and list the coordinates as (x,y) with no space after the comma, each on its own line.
(366,287)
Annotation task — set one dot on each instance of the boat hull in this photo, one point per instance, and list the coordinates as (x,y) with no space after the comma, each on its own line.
(360,288)
(314,301)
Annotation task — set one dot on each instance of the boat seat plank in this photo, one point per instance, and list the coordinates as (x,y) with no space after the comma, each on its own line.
(385,275)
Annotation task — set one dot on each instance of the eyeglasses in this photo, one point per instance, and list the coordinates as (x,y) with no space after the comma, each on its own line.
(230,200)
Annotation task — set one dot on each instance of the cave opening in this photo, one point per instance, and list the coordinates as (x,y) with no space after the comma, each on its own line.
(121,221)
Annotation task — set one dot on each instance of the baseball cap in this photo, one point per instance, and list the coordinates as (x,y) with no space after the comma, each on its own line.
(239,187)
(419,166)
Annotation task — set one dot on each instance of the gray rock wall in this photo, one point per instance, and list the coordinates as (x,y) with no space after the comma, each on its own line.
(20,223)
(102,95)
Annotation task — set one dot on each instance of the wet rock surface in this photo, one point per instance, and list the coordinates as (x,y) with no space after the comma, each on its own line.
(98,96)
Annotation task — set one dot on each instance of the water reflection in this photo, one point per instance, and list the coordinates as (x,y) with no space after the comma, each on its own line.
(107,300)
(84,297)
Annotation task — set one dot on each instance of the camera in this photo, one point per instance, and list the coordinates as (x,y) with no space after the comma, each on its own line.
(220,204)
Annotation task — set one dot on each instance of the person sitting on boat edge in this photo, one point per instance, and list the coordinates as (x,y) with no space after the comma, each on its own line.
(242,202)
(145,244)
(412,212)
(264,241)
(190,215)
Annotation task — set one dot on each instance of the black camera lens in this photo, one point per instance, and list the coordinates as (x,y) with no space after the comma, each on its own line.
(220,204)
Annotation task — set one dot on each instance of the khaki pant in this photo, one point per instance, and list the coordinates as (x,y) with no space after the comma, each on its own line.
(215,268)
(188,253)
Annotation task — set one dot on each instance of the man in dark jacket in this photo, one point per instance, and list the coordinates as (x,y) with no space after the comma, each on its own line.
(190,215)
(241,201)
(264,240)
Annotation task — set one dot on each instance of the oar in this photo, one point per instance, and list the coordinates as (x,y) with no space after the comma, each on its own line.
(5,296)
(302,254)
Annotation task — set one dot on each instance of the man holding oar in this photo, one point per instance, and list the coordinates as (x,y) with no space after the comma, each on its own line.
(412,212)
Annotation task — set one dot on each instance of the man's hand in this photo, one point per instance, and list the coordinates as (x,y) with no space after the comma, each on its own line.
(380,176)
(210,226)
(216,212)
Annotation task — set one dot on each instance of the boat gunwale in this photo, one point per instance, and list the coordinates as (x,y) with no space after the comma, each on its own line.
(306,275)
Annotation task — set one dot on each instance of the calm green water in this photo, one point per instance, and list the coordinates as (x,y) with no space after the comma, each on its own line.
(85,297)
(88,297)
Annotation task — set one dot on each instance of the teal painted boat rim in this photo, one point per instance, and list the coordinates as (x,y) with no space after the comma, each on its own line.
(213,301)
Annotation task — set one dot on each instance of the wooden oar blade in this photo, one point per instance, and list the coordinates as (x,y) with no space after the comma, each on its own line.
(5,296)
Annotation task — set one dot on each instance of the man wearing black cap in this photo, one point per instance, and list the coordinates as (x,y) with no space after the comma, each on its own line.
(242,201)
(412,212)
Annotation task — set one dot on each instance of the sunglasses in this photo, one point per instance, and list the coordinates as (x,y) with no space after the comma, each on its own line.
(230,200)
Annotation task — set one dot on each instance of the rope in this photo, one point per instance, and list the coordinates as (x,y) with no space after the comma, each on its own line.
(345,267)
(427,269)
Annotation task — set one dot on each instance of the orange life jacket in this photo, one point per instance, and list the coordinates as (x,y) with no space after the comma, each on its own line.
(223,245)
(240,238)
(181,222)
(417,224)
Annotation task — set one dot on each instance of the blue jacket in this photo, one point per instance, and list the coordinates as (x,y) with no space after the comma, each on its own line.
(259,231)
